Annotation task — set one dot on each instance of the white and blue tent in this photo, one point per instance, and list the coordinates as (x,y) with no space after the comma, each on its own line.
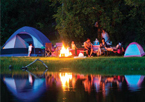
(134,50)
(17,44)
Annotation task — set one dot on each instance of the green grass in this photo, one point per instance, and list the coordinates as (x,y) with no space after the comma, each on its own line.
(94,65)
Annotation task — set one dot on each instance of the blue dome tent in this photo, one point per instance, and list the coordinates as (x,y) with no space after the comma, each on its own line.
(17,44)
(134,50)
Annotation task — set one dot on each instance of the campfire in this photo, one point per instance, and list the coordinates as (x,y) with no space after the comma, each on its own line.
(64,52)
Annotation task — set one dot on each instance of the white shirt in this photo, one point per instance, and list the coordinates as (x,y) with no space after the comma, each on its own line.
(30,48)
(105,36)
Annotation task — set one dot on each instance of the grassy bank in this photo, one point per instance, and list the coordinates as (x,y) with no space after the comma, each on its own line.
(94,65)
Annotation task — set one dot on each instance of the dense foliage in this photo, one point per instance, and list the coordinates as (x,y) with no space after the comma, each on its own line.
(122,19)
(75,19)
(34,13)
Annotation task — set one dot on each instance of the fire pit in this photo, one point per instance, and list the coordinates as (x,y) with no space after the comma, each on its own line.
(65,53)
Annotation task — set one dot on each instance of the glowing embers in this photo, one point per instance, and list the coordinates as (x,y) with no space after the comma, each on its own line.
(64,52)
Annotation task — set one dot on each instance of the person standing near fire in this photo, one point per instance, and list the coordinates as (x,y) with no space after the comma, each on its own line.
(73,47)
(105,35)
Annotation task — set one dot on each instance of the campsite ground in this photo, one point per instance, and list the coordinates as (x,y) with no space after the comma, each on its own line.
(94,65)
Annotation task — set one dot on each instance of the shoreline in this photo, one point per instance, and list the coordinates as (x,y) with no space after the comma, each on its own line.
(94,65)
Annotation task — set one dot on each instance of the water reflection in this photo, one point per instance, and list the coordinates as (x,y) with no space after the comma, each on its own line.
(25,88)
(70,87)
(134,81)
(65,79)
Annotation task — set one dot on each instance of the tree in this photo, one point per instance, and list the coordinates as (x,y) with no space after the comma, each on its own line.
(123,20)
(35,13)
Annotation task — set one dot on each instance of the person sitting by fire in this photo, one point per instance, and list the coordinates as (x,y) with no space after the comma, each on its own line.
(103,47)
(88,47)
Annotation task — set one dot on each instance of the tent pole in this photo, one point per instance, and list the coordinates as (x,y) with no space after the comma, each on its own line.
(34,51)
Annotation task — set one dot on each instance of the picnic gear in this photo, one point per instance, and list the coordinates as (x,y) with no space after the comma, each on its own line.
(81,55)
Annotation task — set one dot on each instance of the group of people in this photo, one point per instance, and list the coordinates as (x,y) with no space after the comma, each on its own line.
(105,45)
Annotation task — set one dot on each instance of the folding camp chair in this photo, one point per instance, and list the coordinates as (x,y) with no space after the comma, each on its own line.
(48,49)
(58,47)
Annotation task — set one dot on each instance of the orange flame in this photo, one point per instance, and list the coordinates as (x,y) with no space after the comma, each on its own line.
(64,52)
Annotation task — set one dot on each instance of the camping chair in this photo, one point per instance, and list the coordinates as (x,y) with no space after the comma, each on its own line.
(58,48)
(59,45)
(48,49)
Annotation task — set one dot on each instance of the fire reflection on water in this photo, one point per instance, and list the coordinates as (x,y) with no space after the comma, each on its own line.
(65,79)
(76,85)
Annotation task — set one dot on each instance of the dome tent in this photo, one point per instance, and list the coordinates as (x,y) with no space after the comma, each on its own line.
(134,50)
(17,44)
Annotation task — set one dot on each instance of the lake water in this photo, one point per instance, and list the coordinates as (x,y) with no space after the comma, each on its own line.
(71,87)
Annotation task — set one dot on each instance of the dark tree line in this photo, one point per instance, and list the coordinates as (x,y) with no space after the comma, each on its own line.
(34,13)
(124,20)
